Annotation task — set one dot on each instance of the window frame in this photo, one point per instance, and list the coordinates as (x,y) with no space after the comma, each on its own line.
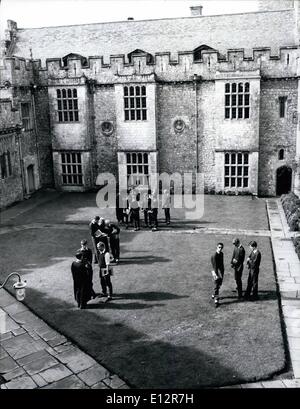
(135,103)
(6,169)
(26,119)
(137,161)
(67,105)
(237,170)
(67,165)
(237,102)
(282,100)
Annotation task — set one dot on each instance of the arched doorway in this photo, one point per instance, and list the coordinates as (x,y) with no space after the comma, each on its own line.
(30,176)
(283,180)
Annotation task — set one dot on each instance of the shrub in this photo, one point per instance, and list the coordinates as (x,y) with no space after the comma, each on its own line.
(296,241)
(291,207)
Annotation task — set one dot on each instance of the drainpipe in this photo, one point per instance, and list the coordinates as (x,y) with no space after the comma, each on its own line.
(35,133)
(195,80)
(19,133)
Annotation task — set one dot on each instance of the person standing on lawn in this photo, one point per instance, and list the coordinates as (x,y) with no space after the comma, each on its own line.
(144,206)
(101,234)
(135,212)
(217,261)
(81,281)
(237,263)
(94,227)
(113,232)
(253,263)
(166,200)
(87,258)
(104,271)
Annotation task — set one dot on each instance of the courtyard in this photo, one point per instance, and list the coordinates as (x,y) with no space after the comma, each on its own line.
(161,330)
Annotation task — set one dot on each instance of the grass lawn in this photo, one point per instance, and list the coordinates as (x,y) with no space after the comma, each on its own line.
(161,330)
(236,212)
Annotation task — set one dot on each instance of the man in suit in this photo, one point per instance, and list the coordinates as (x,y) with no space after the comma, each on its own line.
(81,281)
(104,271)
(237,263)
(217,261)
(94,227)
(113,232)
(87,258)
(253,263)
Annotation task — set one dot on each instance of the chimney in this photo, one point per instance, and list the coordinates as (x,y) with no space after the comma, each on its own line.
(130,18)
(196,11)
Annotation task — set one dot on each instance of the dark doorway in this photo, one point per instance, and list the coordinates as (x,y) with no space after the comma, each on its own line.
(283,180)
(30,175)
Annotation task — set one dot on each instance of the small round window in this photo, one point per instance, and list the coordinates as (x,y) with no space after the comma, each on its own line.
(179,125)
(107,128)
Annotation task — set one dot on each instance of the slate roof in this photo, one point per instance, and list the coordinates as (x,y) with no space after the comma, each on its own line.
(222,32)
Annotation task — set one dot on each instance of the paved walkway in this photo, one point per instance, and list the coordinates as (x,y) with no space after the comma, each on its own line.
(33,355)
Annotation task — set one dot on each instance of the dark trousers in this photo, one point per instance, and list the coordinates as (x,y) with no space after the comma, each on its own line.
(105,283)
(145,217)
(167,215)
(153,218)
(252,284)
(119,214)
(218,283)
(238,272)
(136,220)
(115,247)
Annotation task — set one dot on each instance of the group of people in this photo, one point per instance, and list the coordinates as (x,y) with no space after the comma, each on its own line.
(106,244)
(237,263)
(145,203)
(105,237)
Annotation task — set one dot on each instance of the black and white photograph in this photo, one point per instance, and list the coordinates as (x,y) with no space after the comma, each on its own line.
(150,198)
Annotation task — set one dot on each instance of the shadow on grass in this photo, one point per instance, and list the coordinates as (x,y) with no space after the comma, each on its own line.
(149,296)
(112,306)
(262,296)
(140,360)
(144,260)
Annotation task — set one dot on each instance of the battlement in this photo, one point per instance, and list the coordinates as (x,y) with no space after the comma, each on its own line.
(162,64)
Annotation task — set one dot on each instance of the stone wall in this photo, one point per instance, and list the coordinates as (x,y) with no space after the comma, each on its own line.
(275,132)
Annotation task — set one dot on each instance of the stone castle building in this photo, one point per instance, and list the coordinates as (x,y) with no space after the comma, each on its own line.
(217,94)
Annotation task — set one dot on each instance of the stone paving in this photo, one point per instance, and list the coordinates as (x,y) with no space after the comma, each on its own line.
(33,355)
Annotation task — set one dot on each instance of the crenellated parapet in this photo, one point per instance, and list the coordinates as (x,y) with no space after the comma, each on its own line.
(77,69)
(180,69)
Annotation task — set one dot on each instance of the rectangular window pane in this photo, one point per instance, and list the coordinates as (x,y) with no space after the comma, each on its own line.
(246,112)
(227,100)
(240,113)
(67,105)
(71,168)
(233,113)
(236,169)
(136,104)
(227,113)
